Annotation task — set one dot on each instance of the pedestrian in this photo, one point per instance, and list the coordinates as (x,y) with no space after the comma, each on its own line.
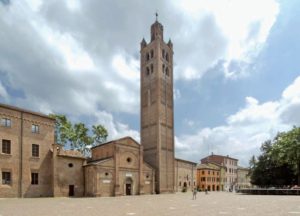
(195,193)
(206,191)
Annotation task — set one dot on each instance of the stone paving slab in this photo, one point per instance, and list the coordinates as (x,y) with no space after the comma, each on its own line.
(180,204)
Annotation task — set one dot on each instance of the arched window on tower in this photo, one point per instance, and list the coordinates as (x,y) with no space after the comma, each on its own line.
(152,53)
(167,71)
(151,68)
(147,56)
(163,69)
(163,53)
(147,71)
(167,57)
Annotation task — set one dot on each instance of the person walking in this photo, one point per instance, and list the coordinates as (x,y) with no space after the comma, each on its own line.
(195,193)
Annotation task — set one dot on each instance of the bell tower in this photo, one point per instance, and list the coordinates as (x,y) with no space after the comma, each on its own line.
(157,108)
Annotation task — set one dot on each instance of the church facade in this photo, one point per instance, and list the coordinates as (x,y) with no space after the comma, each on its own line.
(33,165)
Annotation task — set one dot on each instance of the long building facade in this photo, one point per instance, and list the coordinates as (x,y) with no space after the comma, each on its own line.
(26,139)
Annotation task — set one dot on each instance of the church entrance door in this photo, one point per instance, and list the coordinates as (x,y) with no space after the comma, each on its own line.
(128,186)
(71,190)
(128,189)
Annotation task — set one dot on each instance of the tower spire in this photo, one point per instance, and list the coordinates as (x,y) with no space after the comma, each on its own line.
(156,15)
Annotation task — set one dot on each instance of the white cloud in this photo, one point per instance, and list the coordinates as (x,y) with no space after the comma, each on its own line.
(236,33)
(65,46)
(127,70)
(115,129)
(245,130)
(3,92)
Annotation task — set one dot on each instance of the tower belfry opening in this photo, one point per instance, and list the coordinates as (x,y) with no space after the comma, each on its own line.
(157,113)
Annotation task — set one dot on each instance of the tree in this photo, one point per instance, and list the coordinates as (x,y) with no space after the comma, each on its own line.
(267,171)
(79,139)
(63,129)
(76,136)
(287,149)
(100,134)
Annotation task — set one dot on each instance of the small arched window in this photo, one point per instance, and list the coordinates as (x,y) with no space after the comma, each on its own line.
(163,53)
(147,71)
(167,57)
(151,68)
(163,68)
(147,56)
(167,71)
(152,53)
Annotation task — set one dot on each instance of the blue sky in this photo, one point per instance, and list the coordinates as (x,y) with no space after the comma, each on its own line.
(236,66)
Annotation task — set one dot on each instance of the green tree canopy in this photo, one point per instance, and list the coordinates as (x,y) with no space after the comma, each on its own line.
(286,149)
(279,162)
(77,135)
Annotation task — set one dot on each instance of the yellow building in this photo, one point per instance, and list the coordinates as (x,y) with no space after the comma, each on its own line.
(209,177)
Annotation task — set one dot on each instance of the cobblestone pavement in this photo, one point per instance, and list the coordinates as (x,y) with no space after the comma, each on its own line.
(180,204)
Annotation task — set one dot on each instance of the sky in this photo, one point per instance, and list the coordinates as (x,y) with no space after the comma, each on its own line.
(236,67)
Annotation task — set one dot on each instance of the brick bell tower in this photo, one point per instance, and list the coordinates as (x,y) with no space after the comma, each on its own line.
(157,108)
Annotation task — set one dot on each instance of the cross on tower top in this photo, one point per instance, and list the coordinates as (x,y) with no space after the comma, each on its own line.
(156,15)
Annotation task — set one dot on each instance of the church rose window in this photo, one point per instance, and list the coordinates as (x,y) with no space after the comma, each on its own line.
(70,165)
(128,159)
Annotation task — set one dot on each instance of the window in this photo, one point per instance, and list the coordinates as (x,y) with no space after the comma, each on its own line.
(34,128)
(147,71)
(70,165)
(151,53)
(128,159)
(6,178)
(147,56)
(35,150)
(202,172)
(151,68)
(6,147)
(5,122)
(34,178)
(208,172)
(167,57)
(180,183)
(167,71)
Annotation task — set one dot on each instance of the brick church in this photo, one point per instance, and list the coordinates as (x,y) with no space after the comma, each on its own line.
(33,165)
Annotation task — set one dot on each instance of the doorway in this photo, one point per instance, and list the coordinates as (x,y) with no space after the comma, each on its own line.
(128,186)
(128,189)
(71,190)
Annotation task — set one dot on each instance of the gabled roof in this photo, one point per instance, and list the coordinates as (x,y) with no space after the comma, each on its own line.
(96,162)
(118,141)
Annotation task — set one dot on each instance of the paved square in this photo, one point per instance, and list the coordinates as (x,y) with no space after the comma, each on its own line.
(180,204)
